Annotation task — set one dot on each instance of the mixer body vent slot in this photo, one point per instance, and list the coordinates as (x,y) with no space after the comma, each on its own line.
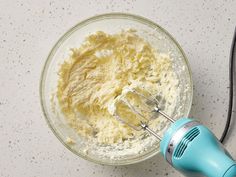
(185,141)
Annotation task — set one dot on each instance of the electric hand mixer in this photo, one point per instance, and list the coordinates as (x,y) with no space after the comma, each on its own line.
(187,145)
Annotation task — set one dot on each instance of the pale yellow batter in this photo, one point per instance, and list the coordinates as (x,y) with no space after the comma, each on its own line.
(96,74)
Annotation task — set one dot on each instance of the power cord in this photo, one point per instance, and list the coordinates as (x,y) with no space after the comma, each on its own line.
(231,87)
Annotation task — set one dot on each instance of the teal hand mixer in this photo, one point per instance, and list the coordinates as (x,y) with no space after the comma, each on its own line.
(187,145)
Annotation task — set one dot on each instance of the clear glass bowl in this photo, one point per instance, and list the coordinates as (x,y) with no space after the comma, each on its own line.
(110,23)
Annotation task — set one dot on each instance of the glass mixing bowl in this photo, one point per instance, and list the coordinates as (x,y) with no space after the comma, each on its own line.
(110,23)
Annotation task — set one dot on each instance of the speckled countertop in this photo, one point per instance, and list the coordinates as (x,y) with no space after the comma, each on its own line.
(28,30)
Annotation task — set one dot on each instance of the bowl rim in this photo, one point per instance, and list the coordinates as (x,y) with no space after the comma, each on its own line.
(63,38)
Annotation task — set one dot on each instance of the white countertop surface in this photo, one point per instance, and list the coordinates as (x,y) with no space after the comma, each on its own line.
(29,29)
